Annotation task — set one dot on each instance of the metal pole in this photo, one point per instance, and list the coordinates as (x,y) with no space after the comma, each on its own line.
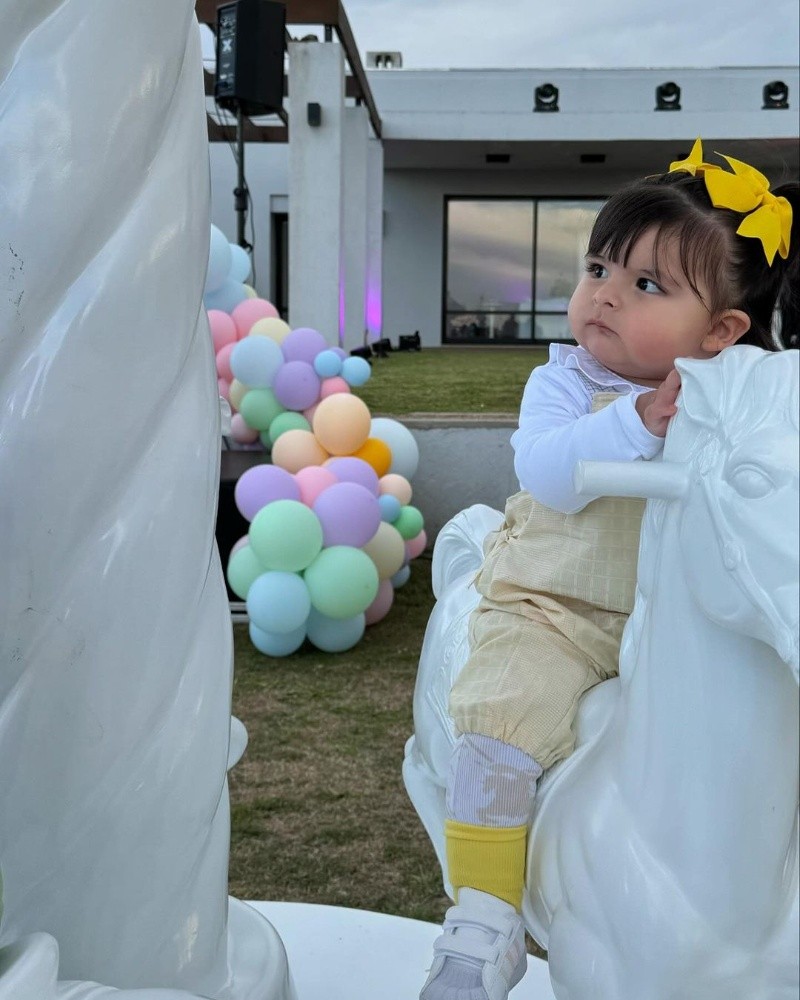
(240,191)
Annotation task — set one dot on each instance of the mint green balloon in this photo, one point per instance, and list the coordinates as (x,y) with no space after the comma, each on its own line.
(259,407)
(409,522)
(243,569)
(286,535)
(289,421)
(342,581)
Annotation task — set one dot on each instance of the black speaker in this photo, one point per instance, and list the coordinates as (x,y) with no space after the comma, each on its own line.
(251,41)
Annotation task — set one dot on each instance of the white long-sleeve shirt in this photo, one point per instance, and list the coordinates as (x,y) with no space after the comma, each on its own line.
(557,427)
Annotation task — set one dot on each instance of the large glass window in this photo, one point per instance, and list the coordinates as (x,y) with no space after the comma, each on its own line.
(511,268)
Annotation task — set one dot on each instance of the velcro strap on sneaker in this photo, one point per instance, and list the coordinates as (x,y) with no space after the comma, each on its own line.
(484,918)
(453,946)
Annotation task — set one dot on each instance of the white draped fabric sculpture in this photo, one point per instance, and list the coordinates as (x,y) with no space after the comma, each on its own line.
(115,674)
(663,857)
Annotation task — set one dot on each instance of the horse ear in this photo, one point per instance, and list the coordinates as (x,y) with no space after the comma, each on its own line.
(701,390)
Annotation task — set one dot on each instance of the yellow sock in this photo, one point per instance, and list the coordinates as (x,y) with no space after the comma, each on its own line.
(488,858)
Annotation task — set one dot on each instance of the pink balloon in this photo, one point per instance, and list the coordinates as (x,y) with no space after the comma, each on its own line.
(223,329)
(249,312)
(348,469)
(224,388)
(261,485)
(309,412)
(416,545)
(241,431)
(349,514)
(332,385)
(303,344)
(244,540)
(312,480)
(224,362)
(382,603)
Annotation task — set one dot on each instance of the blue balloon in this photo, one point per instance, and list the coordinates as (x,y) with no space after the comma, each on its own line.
(356,371)
(278,602)
(219,261)
(276,643)
(254,361)
(401,577)
(226,297)
(240,263)
(327,364)
(390,507)
(334,635)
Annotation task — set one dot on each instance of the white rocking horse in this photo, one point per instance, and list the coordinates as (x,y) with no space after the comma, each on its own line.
(663,856)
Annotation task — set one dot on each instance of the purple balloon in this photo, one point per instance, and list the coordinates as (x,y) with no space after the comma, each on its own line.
(349,514)
(296,385)
(348,469)
(261,485)
(303,344)
(341,352)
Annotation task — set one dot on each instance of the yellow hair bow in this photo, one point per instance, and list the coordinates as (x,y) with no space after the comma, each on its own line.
(746,190)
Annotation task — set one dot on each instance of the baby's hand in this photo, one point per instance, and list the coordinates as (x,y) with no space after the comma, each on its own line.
(658,407)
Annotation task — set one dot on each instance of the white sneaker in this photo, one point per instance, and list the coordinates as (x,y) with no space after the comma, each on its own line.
(481,953)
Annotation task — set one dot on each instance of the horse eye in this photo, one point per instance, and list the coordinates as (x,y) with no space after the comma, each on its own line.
(751,482)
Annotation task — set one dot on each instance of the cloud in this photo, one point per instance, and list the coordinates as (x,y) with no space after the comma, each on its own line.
(584,33)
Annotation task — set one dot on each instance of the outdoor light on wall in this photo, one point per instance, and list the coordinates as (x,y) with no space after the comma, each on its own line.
(668,97)
(314,114)
(776,95)
(546,98)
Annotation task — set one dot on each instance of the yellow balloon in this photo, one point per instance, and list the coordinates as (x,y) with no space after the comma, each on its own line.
(386,549)
(272,327)
(251,292)
(237,393)
(341,423)
(296,449)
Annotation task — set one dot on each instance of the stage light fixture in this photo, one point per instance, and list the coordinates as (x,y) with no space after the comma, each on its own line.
(668,97)
(545,97)
(776,95)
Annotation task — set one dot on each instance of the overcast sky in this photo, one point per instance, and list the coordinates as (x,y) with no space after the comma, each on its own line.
(578,33)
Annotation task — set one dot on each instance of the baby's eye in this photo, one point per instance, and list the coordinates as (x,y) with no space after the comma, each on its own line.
(648,285)
(596,270)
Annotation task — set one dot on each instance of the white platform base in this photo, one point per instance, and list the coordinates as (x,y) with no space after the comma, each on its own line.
(337,953)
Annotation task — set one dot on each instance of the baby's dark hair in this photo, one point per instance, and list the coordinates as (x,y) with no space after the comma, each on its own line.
(733,268)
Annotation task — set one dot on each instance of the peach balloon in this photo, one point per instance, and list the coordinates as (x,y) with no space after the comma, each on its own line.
(332,385)
(342,423)
(416,545)
(272,327)
(386,549)
(377,453)
(249,312)
(382,603)
(396,486)
(312,480)
(296,449)
(238,391)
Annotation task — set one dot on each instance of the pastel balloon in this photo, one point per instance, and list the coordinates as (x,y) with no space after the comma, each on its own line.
(237,393)
(303,344)
(396,486)
(341,352)
(259,407)
(287,421)
(250,291)
(277,643)
(240,544)
(255,360)
(224,388)
(356,371)
(241,431)
(416,546)
(377,454)
(401,442)
(225,298)
(249,312)
(409,522)
(334,635)
(273,327)
(223,362)
(278,602)
(341,423)
(312,480)
(243,569)
(286,535)
(401,577)
(260,485)
(309,412)
(327,364)
(387,550)
(240,263)
(219,260)
(296,385)
(381,605)
(296,449)
(223,329)
(333,385)
(349,469)
(390,507)
(349,514)
(342,581)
